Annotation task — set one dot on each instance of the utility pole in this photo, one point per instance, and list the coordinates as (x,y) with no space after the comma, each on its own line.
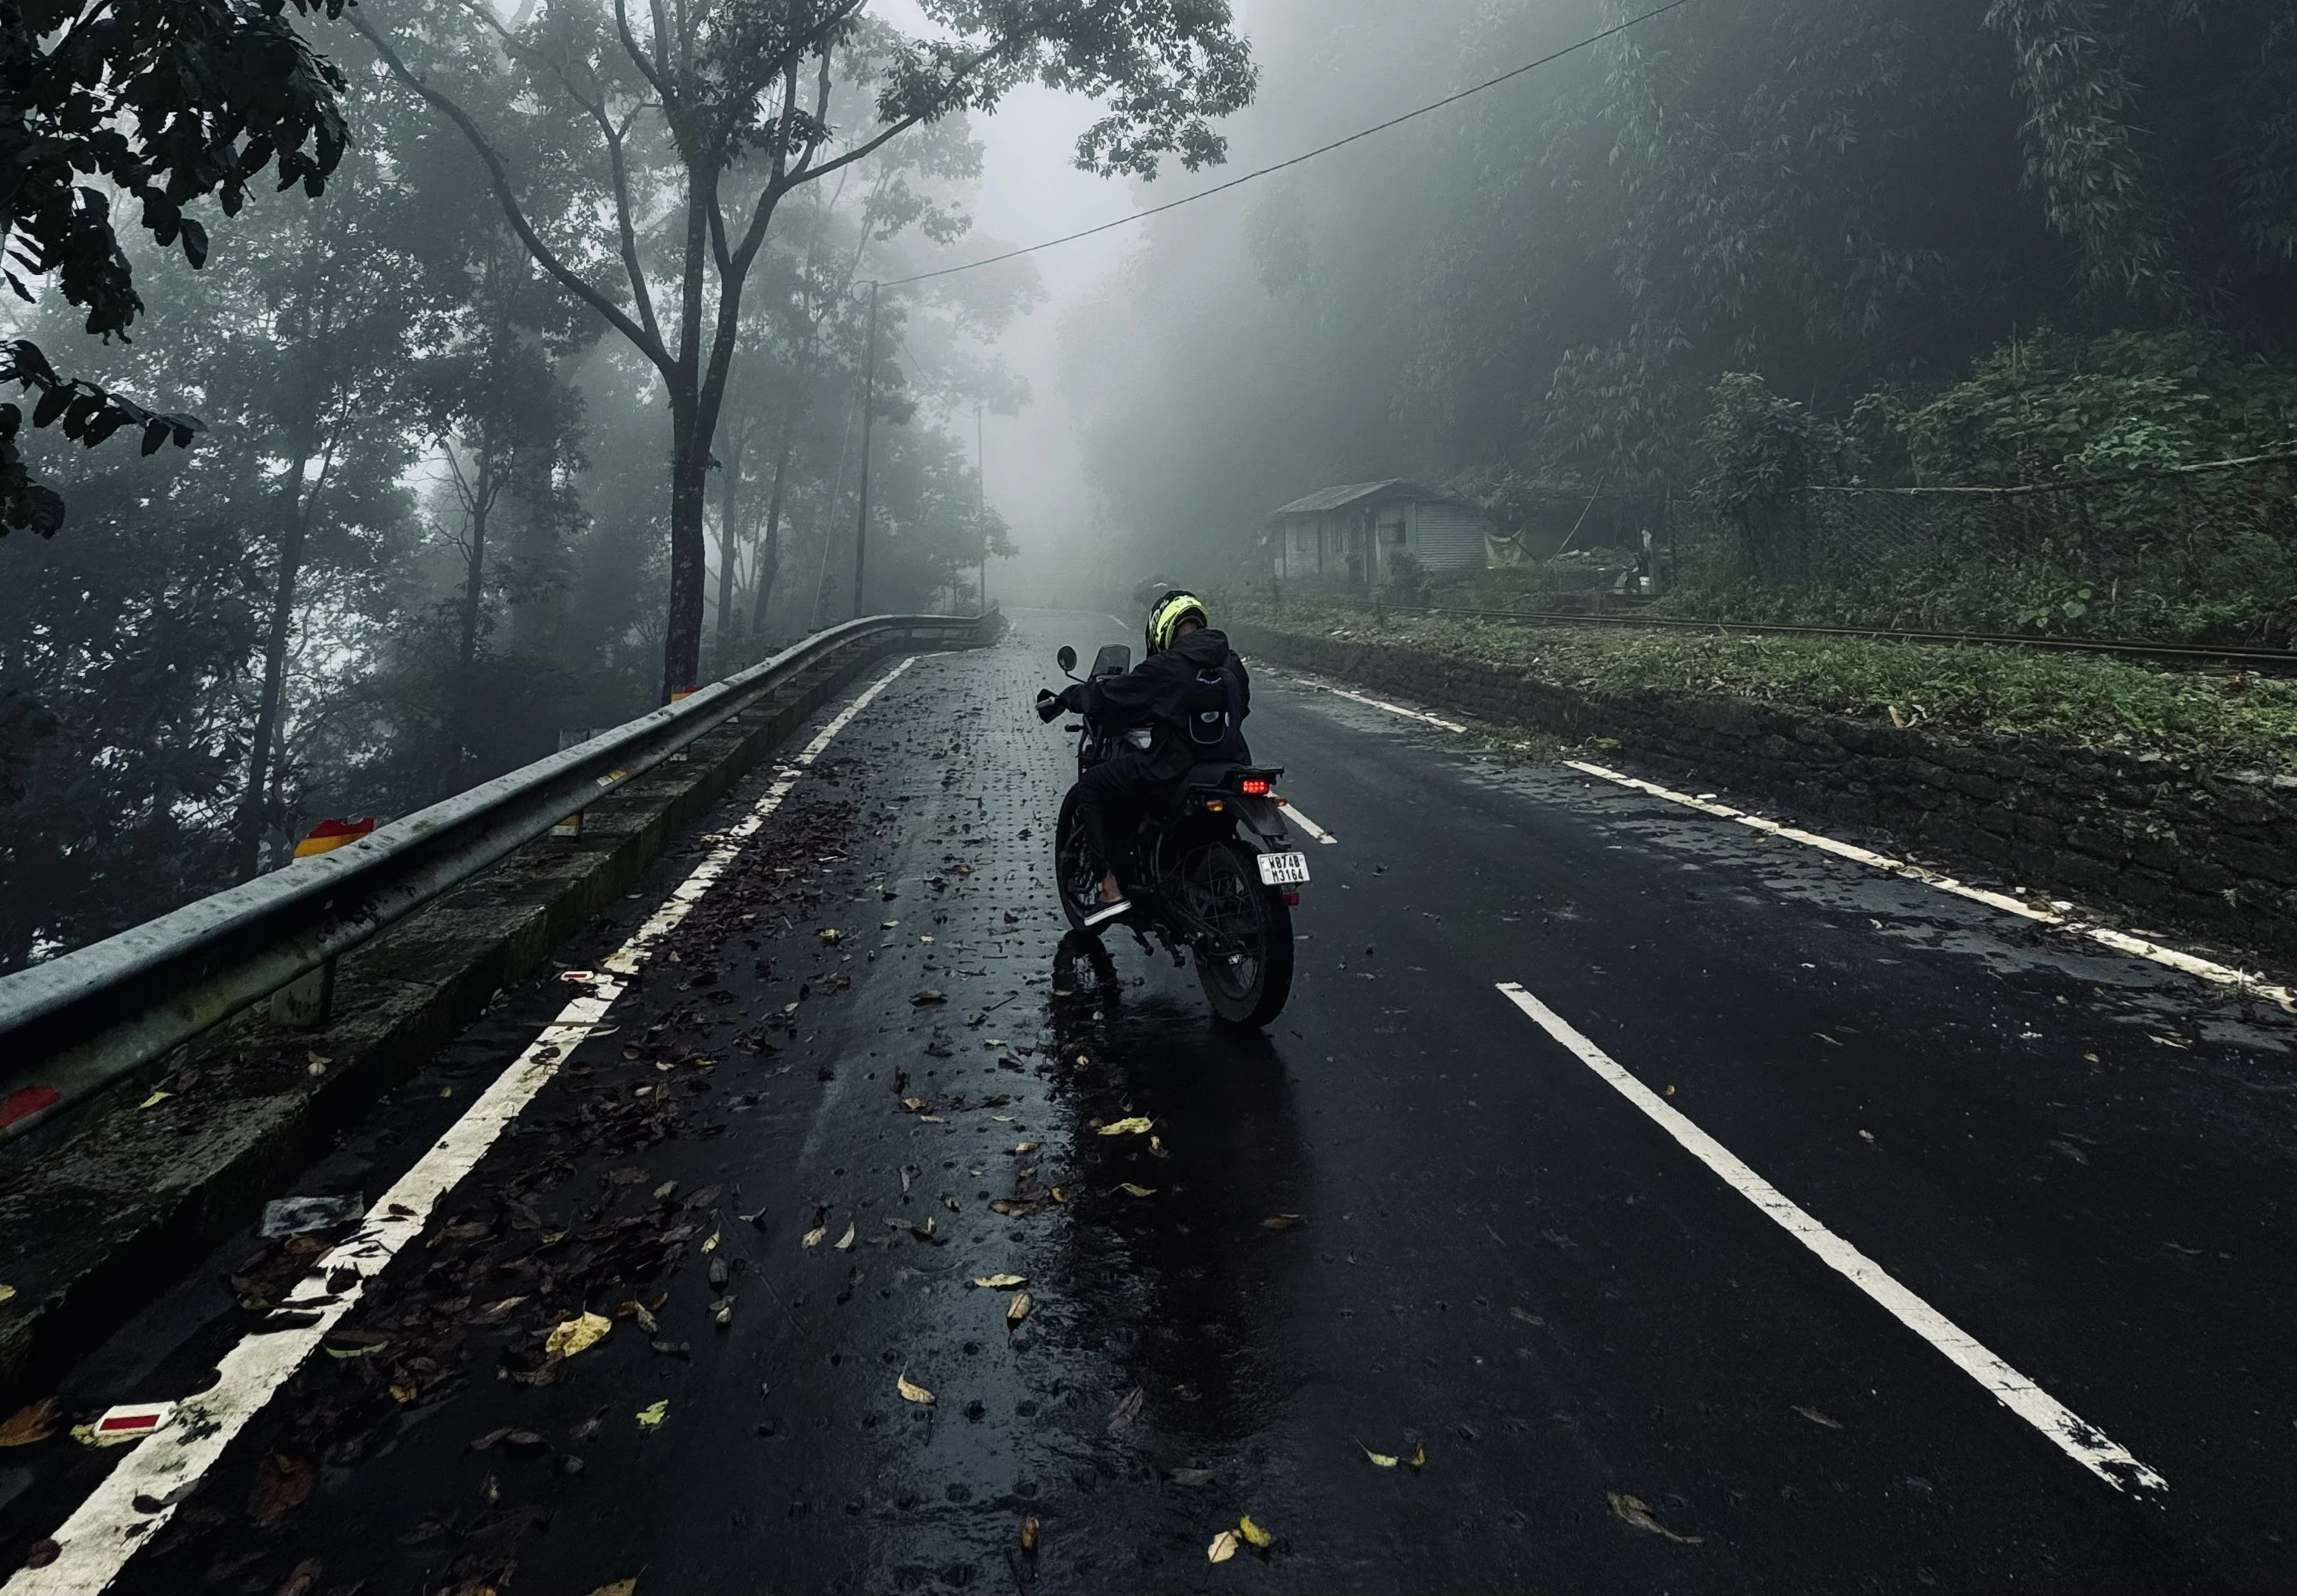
(868,414)
(980,502)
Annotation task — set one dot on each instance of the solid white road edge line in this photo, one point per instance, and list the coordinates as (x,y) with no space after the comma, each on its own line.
(1306,824)
(2083,1443)
(2120,941)
(1378,703)
(108,1528)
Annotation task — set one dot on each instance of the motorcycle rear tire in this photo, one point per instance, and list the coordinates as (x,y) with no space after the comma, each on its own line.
(1075,879)
(1248,1003)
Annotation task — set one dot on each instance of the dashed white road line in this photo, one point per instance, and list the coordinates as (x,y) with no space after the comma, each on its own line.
(2120,941)
(2083,1443)
(105,1531)
(1292,810)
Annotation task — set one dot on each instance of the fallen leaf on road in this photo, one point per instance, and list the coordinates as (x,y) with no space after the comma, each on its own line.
(829,933)
(709,1242)
(574,1335)
(589,1427)
(1380,1459)
(683,1351)
(845,1242)
(911,1391)
(6,1292)
(157,1096)
(1635,1510)
(1224,1547)
(1527,1315)
(1127,1410)
(1137,1125)
(2169,1041)
(1000,1282)
(494,1312)
(721,1313)
(621,1587)
(1865,1136)
(928,995)
(280,1485)
(300,1578)
(1016,1310)
(1260,1538)
(813,1238)
(1282,1222)
(1130,1188)
(1025,1146)
(1816,1416)
(1420,1455)
(35,1423)
(641,1312)
(651,1416)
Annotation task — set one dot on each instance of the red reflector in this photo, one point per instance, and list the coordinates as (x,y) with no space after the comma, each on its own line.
(1291,900)
(1256,786)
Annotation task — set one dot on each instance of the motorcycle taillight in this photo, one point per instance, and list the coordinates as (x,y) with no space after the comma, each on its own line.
(1255,787)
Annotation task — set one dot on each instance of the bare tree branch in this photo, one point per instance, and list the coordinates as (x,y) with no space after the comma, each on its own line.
(499,179)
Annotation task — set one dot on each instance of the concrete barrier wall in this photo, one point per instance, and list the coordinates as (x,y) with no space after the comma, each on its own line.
(2171,840)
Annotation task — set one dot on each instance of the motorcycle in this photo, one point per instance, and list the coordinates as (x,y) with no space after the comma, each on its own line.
(1220,877)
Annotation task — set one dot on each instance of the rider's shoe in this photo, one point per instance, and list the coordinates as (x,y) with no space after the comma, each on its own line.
(1105,912)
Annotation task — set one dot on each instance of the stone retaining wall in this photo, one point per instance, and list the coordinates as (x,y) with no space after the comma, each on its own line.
(2169,839)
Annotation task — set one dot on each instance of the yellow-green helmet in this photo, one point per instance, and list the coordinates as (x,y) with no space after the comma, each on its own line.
(1166,615)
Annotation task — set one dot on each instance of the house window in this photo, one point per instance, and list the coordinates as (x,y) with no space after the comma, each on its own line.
(1391,529)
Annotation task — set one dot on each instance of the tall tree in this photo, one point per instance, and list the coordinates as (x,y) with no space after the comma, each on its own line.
(741,93)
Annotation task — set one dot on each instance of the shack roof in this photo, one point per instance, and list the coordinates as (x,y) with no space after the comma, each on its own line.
(1326,499)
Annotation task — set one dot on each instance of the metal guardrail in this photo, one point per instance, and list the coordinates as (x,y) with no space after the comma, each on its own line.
(73,1026)
(2264,661)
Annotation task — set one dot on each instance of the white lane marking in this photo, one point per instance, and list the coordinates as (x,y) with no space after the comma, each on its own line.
(1378,703)
(2084,1442)
(98,1539)
(1306,824)
(2120,941)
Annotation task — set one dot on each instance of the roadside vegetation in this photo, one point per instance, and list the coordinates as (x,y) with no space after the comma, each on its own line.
(2240,720)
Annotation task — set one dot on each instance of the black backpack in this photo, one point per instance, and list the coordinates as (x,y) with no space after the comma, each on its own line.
(1215,717)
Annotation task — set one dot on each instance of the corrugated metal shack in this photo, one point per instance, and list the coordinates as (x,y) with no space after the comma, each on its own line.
(1347,536)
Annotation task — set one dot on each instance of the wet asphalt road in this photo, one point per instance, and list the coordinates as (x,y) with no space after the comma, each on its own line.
(2082,1159)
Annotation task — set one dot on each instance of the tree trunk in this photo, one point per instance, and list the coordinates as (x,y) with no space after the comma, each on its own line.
(247,828)
(459,710)
(689,481)
(770,546)
(729,504)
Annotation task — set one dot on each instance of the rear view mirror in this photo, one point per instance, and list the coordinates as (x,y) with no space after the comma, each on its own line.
(1067,658)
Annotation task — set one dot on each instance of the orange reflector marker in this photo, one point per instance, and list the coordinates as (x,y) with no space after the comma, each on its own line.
(328,836)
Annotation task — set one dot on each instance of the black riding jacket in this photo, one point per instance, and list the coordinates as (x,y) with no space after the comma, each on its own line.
(1193,697)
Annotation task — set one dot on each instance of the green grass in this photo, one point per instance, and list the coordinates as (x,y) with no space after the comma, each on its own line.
(2080,699)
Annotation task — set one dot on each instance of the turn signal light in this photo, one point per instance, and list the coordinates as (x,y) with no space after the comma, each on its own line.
(1255,787)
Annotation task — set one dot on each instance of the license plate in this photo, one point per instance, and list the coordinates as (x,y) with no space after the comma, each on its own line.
(1283,870)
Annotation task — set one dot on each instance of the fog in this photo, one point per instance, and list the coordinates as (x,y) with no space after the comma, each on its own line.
(424,487)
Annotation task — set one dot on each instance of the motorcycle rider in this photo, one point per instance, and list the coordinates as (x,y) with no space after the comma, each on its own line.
(1189,694)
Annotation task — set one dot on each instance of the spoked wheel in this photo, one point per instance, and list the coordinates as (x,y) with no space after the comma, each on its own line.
(1246,960)
(1075,876)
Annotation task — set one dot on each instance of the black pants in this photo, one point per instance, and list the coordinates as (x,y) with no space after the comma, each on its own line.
(1111,798)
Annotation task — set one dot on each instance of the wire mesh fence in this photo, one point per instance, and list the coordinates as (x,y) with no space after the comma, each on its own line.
(2198,552)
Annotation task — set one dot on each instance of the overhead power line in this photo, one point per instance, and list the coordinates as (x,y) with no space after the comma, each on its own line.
(1238,182)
